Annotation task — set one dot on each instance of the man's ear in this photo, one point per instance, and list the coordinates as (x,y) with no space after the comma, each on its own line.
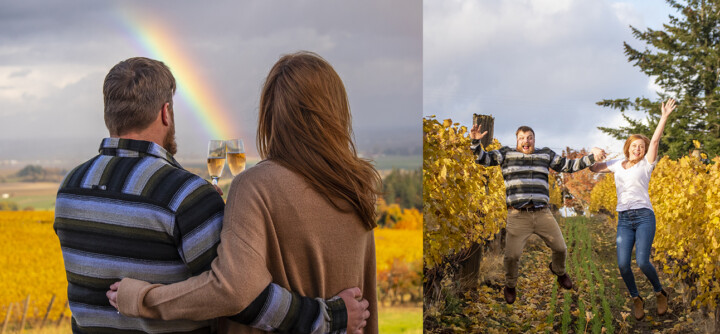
(165,114)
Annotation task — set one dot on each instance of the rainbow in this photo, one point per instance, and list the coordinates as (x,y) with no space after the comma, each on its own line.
(154,42)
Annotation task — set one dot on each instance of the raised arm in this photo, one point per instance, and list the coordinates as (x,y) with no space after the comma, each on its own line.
(562,164)
(666,109)
(492,158)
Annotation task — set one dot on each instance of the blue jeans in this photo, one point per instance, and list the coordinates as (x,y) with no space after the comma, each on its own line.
(636,227)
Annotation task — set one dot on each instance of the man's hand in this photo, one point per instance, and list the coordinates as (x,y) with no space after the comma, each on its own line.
(598,153)
(475,132)
(356,310)
(112,295)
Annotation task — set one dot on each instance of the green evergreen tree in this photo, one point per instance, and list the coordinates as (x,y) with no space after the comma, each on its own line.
(685,57)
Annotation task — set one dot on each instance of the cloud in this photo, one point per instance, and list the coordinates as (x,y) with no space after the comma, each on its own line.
(537,63)
(628,14)
(19,73)
(44,89)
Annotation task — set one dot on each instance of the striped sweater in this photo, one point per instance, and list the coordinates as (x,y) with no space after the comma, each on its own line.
(526,175)
(133,211)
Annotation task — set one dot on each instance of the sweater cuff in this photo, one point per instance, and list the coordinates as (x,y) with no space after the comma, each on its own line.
(279,310)
(591,157)
(128,296)
(475,146)
(338,313)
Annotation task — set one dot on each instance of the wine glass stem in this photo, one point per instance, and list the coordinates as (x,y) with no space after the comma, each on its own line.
(215,181)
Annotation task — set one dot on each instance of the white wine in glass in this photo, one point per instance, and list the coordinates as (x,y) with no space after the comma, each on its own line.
(236,156)
(216,159)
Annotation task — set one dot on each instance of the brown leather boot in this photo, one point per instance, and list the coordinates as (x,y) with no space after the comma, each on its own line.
(564,279)
(509,294)
(638,308)
(662,302)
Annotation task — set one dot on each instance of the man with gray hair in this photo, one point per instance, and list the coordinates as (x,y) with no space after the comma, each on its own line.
(133,211)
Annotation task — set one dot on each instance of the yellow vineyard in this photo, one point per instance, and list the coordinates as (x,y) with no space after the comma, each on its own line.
(32,263)
(392,244)
(399,265)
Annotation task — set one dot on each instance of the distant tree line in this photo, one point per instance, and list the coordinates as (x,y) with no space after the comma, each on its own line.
(36,173)
(409,150)
(404,188)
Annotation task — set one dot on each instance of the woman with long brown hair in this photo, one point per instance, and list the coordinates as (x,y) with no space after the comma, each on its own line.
(305,126)
(302,218)
(323,194)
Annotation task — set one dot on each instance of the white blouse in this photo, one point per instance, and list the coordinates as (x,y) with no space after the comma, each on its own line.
(632,184)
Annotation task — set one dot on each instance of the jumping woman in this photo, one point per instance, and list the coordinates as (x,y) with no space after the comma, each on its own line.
(636,218)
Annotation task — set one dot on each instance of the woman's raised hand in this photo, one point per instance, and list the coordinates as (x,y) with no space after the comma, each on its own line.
(667,107)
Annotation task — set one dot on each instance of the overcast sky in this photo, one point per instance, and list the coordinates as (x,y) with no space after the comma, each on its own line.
(541,63)
(54,56)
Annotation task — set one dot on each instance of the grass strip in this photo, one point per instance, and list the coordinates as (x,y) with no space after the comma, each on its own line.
(565,322)
(553,304)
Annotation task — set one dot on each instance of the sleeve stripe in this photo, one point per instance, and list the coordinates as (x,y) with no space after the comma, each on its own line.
(279,310)
(202,238)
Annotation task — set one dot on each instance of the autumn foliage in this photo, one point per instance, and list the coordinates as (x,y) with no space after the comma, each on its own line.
(393,216)
(603,197)
(398,249)
(686,198)
(399,260)
(576,187)
(464,202)
(31,264)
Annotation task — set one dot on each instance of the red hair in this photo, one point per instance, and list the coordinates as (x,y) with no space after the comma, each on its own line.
(632,138)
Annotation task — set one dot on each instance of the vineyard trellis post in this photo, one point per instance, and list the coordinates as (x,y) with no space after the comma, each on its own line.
(62,314)
(47,312)
(470,267)
(717,315)
(487,123)
(24,315)
(7,318)
(20,327)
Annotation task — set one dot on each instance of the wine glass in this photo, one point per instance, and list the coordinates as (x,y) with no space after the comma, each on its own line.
(235,156)
(216,159)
